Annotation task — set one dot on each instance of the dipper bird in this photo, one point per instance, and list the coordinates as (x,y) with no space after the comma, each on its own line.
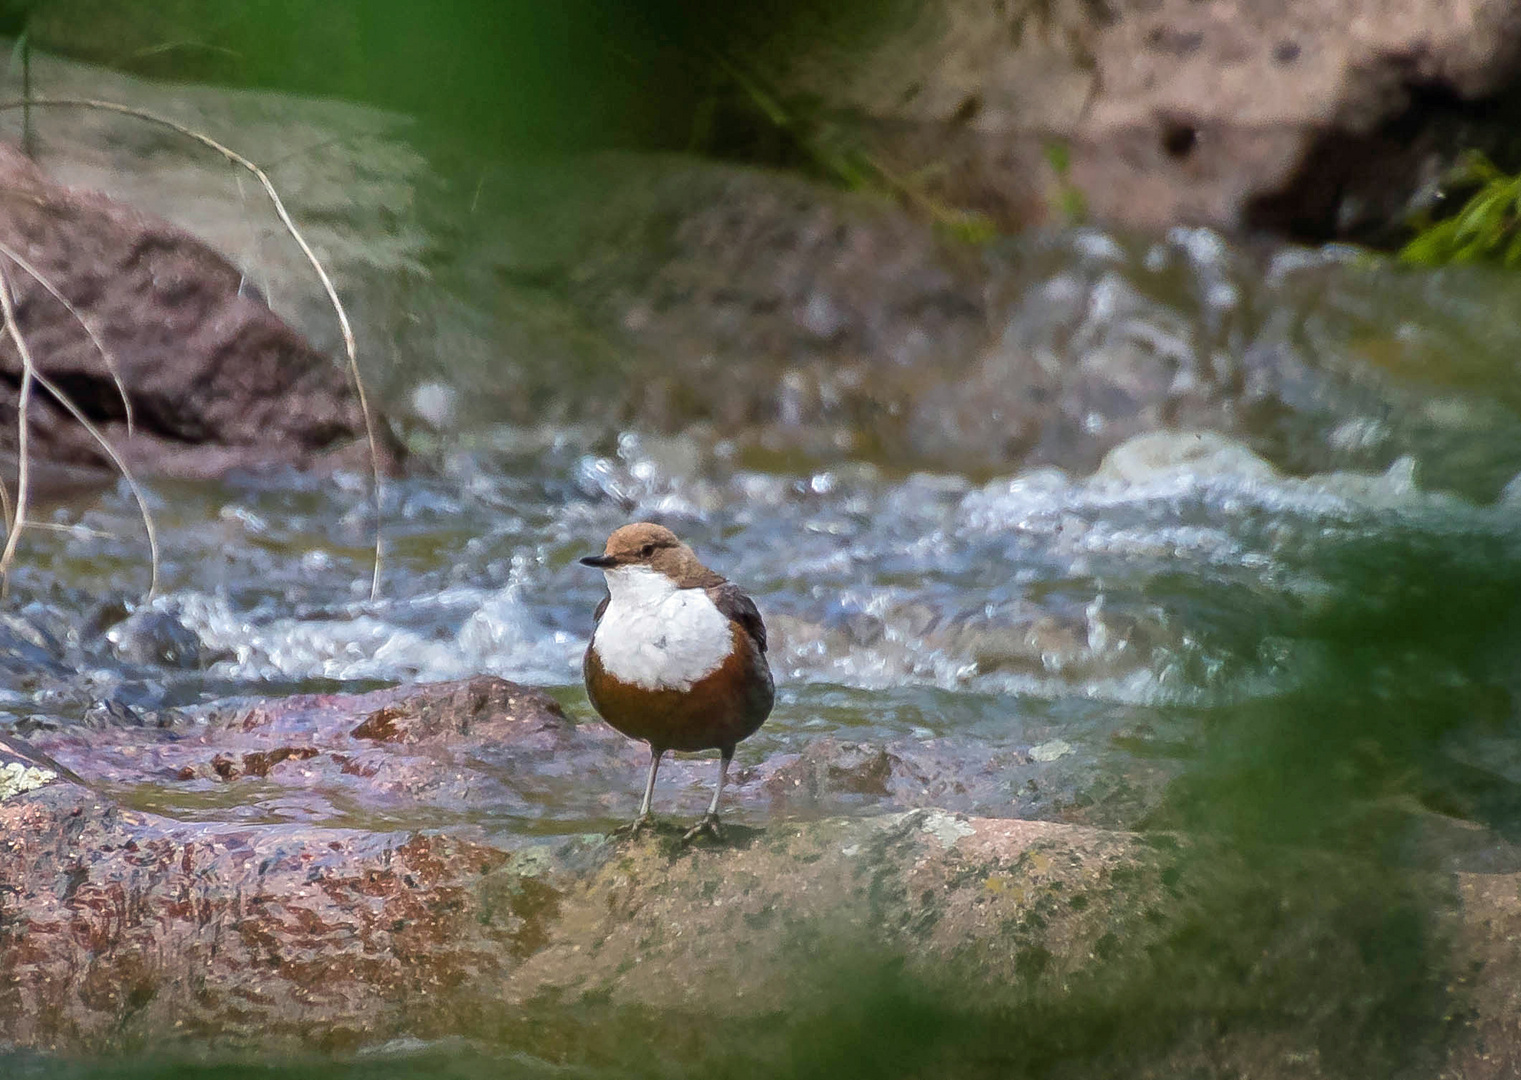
(677,658)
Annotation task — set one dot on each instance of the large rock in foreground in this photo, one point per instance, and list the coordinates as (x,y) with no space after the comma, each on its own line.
(926,941)
(118,927)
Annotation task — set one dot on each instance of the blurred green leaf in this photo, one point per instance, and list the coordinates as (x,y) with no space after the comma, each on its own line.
(1486,229)
(1074,205)
(1059,157)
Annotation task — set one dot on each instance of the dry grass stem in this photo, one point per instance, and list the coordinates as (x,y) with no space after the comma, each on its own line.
(16,522)
(290,226)
(105,354)
(126,474)
(5,506)
(171,46)
(255,258)
(23,403)
(63,399)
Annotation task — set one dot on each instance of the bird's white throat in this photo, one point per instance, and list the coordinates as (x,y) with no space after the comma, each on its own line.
(657,636)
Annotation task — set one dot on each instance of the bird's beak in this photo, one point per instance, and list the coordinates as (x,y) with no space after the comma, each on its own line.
(601,562)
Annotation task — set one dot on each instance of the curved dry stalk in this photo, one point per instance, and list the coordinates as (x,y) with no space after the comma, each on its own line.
(121,466)
(170,46)
(23,401)
(311,257)
(253,256)
(5,507)
(29,373)
(110,361)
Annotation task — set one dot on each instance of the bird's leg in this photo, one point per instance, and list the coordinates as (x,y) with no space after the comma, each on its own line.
(645,818)
(709,823)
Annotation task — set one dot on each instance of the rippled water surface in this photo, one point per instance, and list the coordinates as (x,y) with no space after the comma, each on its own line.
(1187,636)
(1077,617)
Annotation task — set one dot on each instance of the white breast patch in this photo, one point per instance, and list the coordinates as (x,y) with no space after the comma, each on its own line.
(657,636)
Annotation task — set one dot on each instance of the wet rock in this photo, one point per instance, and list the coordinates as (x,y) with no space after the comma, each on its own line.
(157,637)
(258,763)
(828,766)
(122,928)
(123,925)
(454,747)
(215,379)
(480,710)
(111,713)
(484,748)
(28,652)
(319,922)
(100,615)
(500,754)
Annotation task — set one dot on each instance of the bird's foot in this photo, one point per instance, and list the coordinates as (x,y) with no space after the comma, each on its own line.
(709,824)
(634,828)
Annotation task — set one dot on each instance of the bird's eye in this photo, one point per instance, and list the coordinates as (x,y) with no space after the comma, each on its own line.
(647,550)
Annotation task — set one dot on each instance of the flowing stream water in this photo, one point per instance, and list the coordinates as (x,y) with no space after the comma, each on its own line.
(1190,636)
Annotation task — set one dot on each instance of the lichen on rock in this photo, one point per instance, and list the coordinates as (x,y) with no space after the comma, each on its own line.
(17,778)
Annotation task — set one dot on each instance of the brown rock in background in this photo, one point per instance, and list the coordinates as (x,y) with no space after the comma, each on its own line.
(1316,117)
(217,381)
(805,324)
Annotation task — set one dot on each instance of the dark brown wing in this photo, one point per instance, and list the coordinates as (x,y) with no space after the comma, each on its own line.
(590,658)
(731,600)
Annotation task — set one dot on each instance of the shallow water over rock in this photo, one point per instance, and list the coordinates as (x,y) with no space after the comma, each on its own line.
(1070,628)
(1286,627)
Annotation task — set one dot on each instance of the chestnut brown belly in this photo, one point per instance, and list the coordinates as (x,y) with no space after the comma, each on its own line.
(716,712)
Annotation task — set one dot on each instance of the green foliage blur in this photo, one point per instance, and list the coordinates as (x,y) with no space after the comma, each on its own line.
(489,78)
(1486,230)
(572,74)
(506,74)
